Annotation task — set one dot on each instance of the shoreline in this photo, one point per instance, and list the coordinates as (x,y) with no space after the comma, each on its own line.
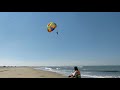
(27,72)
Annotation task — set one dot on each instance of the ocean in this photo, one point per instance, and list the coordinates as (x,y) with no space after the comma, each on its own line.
(86,71)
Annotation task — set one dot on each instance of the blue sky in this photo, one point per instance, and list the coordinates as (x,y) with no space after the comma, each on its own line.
(85,38)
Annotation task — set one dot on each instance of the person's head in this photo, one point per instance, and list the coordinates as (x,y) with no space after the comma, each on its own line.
(75,68)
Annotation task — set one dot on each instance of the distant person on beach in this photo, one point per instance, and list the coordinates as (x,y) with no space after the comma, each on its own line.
(75,74)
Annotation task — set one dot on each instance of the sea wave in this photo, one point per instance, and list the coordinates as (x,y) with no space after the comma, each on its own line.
(90,72)
(95,76)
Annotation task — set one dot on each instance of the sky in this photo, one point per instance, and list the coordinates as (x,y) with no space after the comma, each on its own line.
(84,38)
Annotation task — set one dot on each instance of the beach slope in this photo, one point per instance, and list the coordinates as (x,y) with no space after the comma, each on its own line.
(27,72)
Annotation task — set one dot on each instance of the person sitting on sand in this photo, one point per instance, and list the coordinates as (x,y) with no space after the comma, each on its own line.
(75,74)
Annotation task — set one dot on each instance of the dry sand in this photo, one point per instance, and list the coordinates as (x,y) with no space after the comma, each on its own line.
(27,72)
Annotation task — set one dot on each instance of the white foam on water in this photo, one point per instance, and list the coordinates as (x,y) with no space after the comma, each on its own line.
(49,69)
(95,76)
(57,68)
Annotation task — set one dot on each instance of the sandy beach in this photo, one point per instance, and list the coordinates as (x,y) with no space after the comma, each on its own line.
(27,72)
